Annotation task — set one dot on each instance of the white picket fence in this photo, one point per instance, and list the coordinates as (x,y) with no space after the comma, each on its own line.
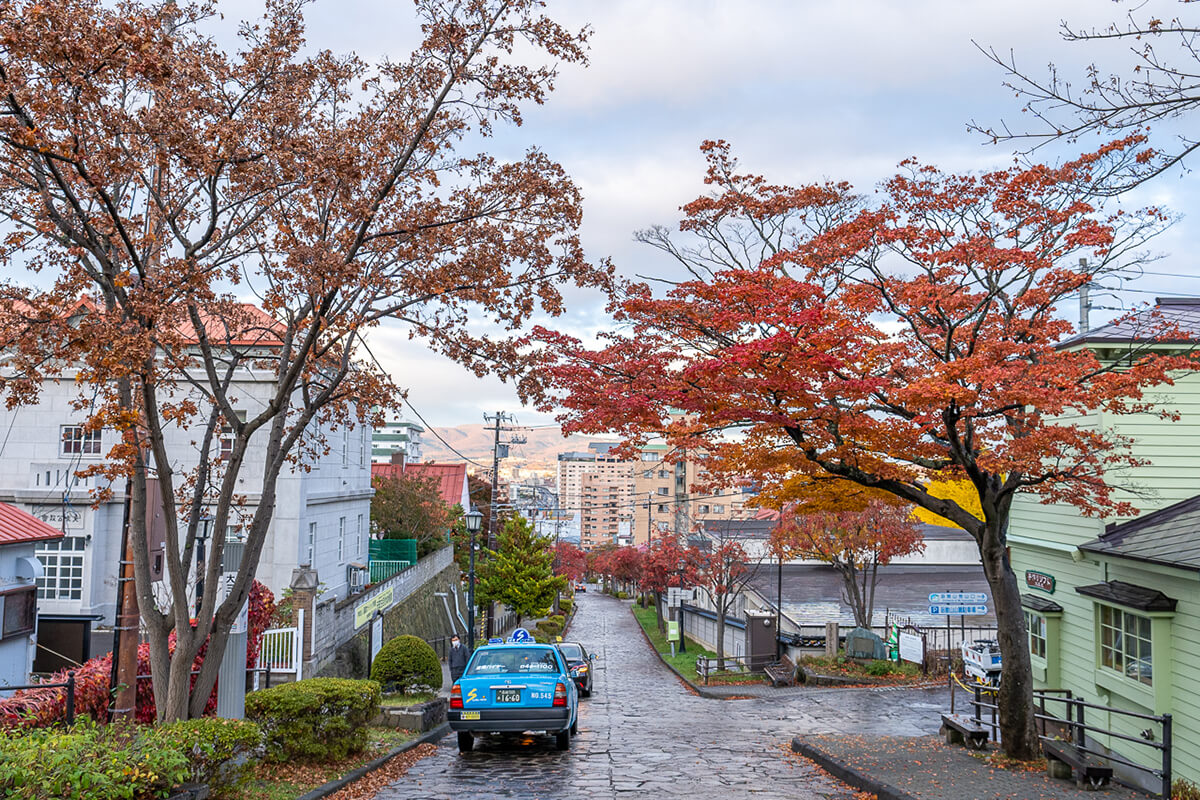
(282,652)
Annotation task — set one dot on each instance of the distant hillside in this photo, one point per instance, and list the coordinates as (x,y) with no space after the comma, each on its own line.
(475,442)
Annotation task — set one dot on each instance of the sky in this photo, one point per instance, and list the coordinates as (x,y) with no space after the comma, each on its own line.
(803,91)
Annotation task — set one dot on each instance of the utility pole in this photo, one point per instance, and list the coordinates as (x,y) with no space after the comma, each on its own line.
(1085,303)
(499,451)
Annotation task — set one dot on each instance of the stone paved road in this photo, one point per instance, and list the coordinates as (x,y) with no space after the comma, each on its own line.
(641,732)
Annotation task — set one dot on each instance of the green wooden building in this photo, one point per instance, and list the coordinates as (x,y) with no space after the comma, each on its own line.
(1113,606)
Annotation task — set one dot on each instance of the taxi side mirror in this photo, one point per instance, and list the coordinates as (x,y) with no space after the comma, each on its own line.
(592,656)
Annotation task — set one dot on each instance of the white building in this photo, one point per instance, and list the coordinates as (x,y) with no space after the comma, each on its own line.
(321,517)
(397,436)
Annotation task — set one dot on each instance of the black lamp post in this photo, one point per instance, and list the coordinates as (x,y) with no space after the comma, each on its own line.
(201,568)
(474,521)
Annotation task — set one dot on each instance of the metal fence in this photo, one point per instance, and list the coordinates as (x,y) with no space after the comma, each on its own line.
(68,686)
(383,569)
(1074,726)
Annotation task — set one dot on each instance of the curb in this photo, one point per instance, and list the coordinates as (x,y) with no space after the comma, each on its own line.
(326,789)
(846,773)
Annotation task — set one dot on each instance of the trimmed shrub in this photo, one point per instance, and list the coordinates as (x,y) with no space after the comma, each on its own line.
(214,748)
(407,664)
(88,762)
(880,668)
(549,628)
(622,595)
(566,604)
(317,719)
(560,619)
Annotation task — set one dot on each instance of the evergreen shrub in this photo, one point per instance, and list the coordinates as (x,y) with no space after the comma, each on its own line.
(407,664)
(317,719)
(219,751)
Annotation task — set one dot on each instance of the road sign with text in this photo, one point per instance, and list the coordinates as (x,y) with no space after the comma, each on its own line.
(957,598)
(961,609)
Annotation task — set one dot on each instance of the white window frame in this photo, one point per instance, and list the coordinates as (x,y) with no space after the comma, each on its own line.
(341,540)
(77,441)
(1121,637)
(1035,624)
(312,543)
(61,568)
(358,535)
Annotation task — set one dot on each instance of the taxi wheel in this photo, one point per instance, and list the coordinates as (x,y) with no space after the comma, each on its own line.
(575,727)
(466,741)
(562,740)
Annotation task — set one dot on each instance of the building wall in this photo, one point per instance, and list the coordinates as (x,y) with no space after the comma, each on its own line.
(605,503)
(37,476)
(1044,538)
(17,651)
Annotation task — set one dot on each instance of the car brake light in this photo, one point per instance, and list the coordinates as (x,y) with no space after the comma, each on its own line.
(456,696)
(560,694)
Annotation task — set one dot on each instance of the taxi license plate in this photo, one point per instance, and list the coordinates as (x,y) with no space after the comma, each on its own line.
(508,695)
(470,715)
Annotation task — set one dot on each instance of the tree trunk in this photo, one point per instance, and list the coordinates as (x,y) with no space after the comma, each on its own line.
(871,574)
(1015,698)
(720,632)
(853,595)
(662,626)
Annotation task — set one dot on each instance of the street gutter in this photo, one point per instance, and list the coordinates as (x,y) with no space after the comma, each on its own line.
(326,789)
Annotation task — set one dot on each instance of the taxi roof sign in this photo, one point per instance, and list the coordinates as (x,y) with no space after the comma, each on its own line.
(520,635)
(495,640)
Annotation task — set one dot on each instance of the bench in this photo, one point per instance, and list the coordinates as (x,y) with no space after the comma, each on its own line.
(780,673)
(1089,771)
(960,729)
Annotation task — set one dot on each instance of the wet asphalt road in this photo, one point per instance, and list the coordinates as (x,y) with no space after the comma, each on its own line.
(642,733)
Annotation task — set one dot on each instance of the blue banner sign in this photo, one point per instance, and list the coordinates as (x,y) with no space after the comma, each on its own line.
(964,610)
(960,598)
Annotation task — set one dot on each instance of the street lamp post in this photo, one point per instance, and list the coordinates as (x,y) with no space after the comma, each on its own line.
(201,567)
(474,521)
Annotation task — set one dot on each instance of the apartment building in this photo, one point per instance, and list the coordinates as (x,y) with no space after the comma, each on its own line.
(666,497)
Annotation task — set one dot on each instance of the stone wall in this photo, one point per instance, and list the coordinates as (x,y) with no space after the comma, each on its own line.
(336,647)
(421,614)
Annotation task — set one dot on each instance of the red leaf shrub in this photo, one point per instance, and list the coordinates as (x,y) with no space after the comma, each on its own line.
(40,707)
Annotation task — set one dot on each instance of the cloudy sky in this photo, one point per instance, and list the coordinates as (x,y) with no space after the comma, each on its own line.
(803,91)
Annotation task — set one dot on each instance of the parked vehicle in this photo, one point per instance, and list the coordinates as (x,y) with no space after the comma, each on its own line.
(581,587)
(513,688)
(579,664)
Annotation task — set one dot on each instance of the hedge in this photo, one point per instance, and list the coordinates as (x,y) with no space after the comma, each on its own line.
(317,719)
(218,750)
(88,762)
(407,663)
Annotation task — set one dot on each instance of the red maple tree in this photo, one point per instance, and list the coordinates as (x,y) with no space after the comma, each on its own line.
(666,563)
(855,542)
(166,179)
(569,561)
(888,341)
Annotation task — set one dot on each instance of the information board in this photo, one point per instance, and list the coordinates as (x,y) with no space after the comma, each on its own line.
(912,648)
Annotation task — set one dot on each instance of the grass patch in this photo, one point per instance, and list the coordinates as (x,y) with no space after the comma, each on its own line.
(684,662)
(290,780)
(402,700)
(900,672)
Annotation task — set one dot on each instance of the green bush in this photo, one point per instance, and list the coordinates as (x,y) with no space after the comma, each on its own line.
(88,762)
(318,719)
(622,595)
(214,748)
(549,628)
(566,604)
(407,664)
(1182,789)
(881,668)
(560,619)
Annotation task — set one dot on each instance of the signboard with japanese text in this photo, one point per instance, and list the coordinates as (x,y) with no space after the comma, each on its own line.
(957,598)
(673,631)
(380,601)
(1039,580)
(961,610)
(912,648)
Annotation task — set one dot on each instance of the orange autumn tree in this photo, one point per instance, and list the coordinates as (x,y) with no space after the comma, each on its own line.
(856,542)
(239,219)
(887,341)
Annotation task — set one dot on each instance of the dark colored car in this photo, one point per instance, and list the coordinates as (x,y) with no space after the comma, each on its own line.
(580,665)
(581,587)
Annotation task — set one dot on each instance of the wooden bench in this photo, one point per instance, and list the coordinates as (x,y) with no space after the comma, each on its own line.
(781,672)
(960,729)
(1088,771)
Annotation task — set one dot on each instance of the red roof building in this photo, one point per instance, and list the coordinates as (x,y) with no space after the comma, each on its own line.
(18,527)
(451,479)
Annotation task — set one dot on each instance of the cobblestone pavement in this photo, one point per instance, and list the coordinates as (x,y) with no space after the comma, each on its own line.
(641,732)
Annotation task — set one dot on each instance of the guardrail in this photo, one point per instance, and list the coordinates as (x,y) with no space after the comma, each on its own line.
(707,666)
(68,685)
(1076,725)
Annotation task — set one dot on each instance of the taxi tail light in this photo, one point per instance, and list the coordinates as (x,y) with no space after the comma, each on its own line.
(560,694)
(456,696)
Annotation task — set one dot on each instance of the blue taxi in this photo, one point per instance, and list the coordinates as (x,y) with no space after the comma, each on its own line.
(514,687)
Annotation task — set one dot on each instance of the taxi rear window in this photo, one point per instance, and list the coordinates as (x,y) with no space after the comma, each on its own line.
(572,651)
(510,660)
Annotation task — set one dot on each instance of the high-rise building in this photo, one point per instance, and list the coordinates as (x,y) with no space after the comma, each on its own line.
(397,436)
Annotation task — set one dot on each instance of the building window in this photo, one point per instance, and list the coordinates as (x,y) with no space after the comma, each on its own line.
(341,539)
(19,610)
(1125,644)
(662,508)
(650,457)
(1036,625)
(358,535)
(346,448)
(663,491)
(718,509)
(703,510)
(363,450)
(78,441)
(312,542)
(62,562)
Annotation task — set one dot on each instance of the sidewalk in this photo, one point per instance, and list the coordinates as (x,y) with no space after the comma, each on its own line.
(924,768)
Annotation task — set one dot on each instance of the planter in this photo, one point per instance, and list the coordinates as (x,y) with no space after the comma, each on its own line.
(420,717)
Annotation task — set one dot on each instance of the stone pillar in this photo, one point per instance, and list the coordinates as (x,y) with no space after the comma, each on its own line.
(304,588)
(831,640)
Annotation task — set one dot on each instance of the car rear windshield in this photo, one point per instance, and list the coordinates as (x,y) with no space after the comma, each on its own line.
(509,660)
(571,651)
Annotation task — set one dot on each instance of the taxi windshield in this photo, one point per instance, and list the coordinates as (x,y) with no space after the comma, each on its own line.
(509,660)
